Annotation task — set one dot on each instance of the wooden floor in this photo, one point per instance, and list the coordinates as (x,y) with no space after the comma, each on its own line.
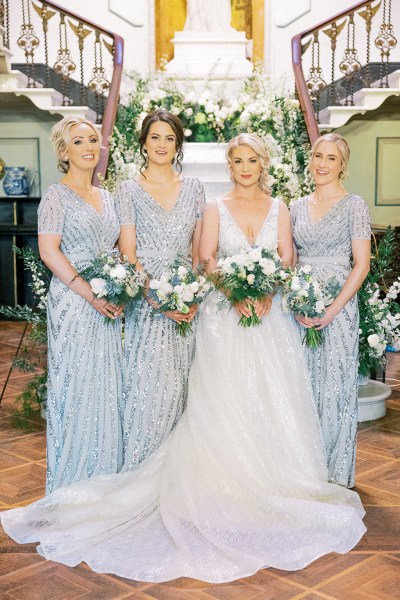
(370,572)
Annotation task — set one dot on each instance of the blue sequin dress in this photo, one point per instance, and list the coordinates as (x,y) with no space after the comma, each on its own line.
(326,246)
(84,352)
(157,359)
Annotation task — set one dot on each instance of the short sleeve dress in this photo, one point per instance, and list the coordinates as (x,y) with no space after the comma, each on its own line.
(157,358)
(326,246)
(84,352)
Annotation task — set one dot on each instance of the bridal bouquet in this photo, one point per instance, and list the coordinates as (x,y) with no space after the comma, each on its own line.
(179,288)
(111,276)
(306,296)
(252,274)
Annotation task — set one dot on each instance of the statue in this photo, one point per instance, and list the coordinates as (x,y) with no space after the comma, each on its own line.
(208,15)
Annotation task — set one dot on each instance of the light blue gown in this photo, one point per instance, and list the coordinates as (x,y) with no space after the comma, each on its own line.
(157,358)
(84,352)
(326,246)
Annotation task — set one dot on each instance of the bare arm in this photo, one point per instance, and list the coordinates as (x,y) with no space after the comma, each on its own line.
(208,245)
(127,244)
(196,244)
(59,265)
(285,240)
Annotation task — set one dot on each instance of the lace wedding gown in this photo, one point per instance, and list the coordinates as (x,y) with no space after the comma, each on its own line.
(240,484)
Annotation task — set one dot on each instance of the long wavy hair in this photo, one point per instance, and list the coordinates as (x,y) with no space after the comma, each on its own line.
(260,148)
(161,114)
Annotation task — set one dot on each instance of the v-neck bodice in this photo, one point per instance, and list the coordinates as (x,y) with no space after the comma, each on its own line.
(233,240)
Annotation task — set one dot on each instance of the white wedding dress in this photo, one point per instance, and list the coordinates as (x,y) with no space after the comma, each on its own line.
(239,485)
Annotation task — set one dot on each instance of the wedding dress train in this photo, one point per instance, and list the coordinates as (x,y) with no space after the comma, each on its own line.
(240,484)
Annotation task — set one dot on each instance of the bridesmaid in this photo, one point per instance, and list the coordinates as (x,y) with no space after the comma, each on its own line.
(161,214)
(331,230)
(76,221)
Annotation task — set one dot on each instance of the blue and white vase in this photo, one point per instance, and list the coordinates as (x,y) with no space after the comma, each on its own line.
(17,181)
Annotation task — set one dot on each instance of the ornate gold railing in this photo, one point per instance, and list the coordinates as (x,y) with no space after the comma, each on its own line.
(335,68)
(86,68)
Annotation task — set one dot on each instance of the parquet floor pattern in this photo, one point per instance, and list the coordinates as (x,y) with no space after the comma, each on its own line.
(370,572)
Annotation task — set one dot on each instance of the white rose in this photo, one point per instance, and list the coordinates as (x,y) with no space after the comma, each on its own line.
(194,287)
(255,255)
(251,278)
(178,289)
(187,132)
(99,286)
(166,287)
(154,284)
(373,340)
(118,272)
(187,295)
(182,271)
(268,266)
(320,307)
(295,285)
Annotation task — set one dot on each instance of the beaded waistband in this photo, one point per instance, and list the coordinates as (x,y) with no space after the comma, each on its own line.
(156,254)
(343,260)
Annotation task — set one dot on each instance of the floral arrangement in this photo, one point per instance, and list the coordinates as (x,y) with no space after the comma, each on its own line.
(113,277)
(179,288)
(379,309)
(252,274)
(304,295)
(211,117)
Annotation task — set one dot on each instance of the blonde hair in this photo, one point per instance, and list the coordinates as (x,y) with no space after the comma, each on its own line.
(60,138)
(260,148)
(343,149)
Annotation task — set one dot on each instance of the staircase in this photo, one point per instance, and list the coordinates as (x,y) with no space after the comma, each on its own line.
(43,86)
(348,65)
(366,100)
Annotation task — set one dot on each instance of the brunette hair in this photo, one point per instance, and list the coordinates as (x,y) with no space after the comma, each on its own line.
(161,114)
(260,148)
(60,138)
(343,149)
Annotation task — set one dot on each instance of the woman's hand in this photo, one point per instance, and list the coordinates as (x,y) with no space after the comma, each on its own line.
(179,317)
(107,309)
(326,319)
(305,321)
(317,322)
(244,308)
(262,306)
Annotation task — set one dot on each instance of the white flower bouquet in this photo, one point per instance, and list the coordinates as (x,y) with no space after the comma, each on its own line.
(113,277)
(179,288)
(306,296)
(379,324)
(252,274)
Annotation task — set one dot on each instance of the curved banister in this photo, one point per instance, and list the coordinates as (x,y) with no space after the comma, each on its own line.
(113,95)
(301,86)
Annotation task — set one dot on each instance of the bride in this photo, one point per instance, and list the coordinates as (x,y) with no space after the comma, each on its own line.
(241,483)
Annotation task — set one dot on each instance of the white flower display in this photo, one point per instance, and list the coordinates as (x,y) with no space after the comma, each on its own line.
(177,289)
(378,326)
(99,286)
(216,116)
(118,272)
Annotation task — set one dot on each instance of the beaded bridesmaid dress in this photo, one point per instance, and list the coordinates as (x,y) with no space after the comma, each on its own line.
(326,246)
(84,352)
(157,359)
(239,485)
